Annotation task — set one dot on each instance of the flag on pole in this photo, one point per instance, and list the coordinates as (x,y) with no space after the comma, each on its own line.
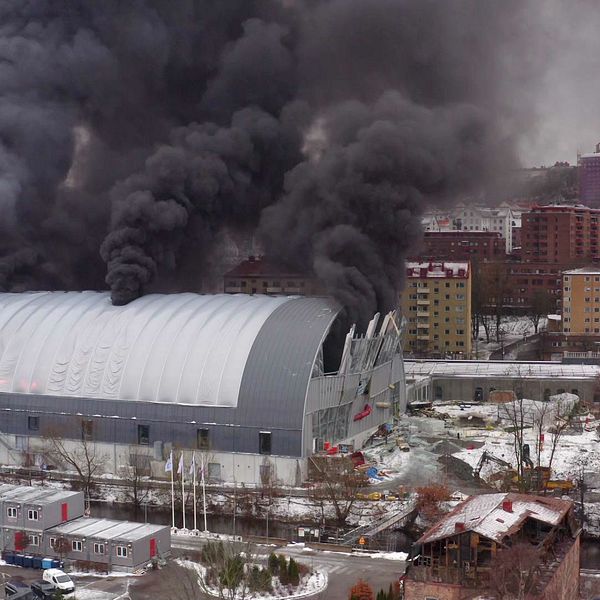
(180,467)
(193,465)
(169,463)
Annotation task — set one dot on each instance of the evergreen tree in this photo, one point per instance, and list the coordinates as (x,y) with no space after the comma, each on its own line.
(273,563)
(293,573)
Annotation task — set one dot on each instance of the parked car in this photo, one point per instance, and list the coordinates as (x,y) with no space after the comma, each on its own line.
(59,580)
(16,589)
(44,590)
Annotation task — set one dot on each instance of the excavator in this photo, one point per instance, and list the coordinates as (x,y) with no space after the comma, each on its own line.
(536,478)
(487,457)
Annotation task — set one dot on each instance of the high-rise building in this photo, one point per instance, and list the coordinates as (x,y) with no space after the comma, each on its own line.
(561,234)
(589,177)
(436,304)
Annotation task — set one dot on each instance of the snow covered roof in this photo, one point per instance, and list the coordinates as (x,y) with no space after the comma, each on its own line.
(175,348)
(500,368)
(457,270)
(33,495)
(106,529)
(485,514)
(583,271)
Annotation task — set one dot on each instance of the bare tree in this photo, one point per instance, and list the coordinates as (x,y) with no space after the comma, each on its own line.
(139,484)
(496,284)
(479,299)
(337,482)
(541,305)
(515,572)
(82,455)
(515,413)
(562,421)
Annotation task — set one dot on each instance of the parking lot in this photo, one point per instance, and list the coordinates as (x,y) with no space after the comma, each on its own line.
(86,587)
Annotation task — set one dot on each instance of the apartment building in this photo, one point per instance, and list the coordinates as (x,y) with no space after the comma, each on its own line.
(589,177)
(257,275)
(576,333)
(504,219)
(561,234)
(436,304)
(481,246)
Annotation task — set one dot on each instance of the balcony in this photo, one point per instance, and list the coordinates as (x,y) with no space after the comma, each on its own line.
(424,325)
(424,337)
(423,302)
(423,313)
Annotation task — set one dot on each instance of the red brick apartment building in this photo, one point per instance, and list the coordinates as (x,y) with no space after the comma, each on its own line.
(465,554)
(481,246)
(257,275)
(561,234)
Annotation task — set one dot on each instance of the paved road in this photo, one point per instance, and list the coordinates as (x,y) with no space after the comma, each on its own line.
(344,571)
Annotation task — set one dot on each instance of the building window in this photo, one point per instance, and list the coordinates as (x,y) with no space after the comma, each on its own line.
(52,542)
(87,429)
(32,515)
(264,442)
(202,439)
(214,471)
(143,435)
(33,423)
(122,551)
(11,512)
(33,540)
(77,546)
(98,548)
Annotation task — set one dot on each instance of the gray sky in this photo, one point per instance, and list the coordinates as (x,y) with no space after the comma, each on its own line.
(567,96)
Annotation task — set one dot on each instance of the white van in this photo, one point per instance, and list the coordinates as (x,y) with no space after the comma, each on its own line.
(60,580)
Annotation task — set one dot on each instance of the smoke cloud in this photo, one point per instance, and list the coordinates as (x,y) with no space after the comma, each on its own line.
(135,135)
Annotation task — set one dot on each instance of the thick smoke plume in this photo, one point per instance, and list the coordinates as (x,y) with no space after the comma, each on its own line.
(134,135)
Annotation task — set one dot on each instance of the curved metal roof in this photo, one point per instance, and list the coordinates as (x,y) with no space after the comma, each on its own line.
(178,348)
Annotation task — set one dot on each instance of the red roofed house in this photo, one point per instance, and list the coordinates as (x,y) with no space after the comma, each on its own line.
(459,556)
(259,276)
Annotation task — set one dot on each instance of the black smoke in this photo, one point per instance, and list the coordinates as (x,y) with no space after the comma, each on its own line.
(134,134)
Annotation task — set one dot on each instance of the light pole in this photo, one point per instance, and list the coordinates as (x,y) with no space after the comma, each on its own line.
(268,507)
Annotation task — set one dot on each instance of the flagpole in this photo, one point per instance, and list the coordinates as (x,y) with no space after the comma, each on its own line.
(194,484)
(183,489)
(172,493)
(204,494)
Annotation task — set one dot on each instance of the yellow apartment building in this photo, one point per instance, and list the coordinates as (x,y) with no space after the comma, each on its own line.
(436,304)
(581,302)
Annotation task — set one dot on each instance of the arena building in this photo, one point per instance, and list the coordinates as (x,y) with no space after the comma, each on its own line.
(240,378)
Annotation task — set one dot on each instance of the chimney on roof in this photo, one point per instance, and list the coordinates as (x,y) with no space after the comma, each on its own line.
(507,506)
(459,526)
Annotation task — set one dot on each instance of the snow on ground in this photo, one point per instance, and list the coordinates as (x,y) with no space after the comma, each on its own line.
(91,594)
(513,329)
(573,452)
(310,584)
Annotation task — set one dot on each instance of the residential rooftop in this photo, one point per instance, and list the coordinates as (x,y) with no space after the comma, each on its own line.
(495,516)
(583,271)
(420,270)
